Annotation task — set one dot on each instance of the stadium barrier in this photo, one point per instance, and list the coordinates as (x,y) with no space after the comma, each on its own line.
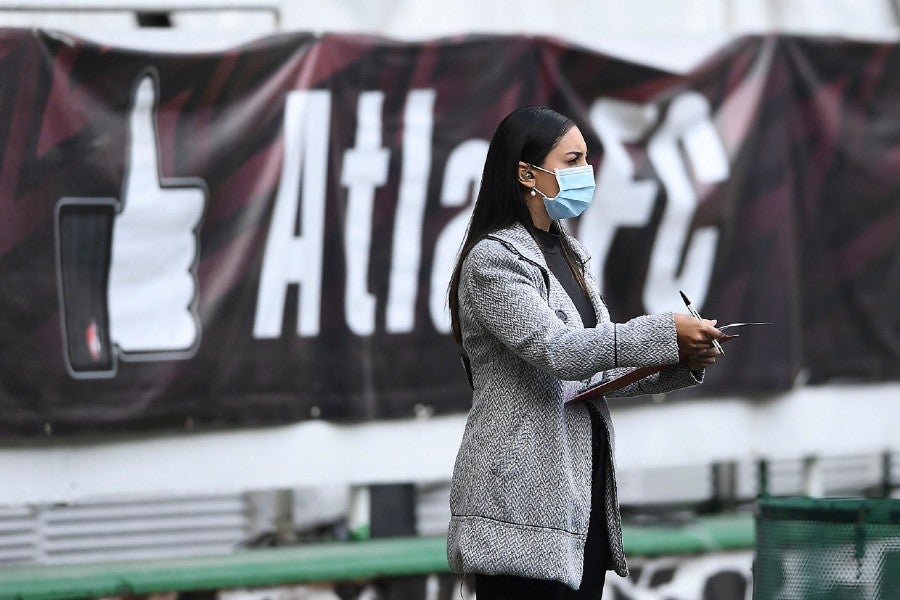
(323,562)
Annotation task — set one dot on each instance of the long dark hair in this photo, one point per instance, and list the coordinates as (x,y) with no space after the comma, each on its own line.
(527,134)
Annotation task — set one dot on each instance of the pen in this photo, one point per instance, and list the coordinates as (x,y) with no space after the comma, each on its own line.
(696,315)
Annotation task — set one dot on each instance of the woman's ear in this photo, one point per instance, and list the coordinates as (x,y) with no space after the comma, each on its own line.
(526,175)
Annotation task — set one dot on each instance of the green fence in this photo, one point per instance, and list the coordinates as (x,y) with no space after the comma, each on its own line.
(347,561)
(827,549)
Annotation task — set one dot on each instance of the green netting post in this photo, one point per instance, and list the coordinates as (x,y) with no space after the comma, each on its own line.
(762,483)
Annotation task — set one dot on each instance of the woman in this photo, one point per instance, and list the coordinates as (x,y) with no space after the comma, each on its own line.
(533,498)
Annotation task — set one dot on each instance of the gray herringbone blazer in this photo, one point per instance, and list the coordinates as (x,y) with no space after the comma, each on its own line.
(521,491)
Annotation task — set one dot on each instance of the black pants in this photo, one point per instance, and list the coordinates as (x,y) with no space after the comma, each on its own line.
(596,549)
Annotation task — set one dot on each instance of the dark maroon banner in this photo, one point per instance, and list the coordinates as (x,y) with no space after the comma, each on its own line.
(265,235)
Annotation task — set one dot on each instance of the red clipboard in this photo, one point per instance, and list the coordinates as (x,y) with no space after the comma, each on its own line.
(617,383)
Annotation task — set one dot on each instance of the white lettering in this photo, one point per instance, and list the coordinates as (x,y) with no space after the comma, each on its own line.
(687,122)
(407,241)
(462,178)
(289,258)
(365,168)
(619,201)
(685,152)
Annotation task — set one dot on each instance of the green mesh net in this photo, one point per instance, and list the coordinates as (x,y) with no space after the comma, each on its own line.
(827,549)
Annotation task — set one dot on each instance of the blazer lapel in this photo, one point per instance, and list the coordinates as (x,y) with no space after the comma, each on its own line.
(519,238)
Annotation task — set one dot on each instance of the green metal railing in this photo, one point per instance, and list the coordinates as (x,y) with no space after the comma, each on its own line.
(346,561)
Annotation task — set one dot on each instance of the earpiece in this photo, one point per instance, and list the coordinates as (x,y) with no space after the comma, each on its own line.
(528,175)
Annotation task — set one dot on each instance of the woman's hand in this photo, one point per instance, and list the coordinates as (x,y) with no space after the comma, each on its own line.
(695,348)
(698,361)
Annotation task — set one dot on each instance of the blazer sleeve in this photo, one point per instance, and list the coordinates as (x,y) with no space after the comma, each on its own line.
(670,379)
(502,292)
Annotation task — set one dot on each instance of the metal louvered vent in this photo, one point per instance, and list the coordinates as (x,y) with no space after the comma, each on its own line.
(18,536)
(125,529)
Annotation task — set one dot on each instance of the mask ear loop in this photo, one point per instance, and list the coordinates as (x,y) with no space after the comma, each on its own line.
(541,169)
(543,195)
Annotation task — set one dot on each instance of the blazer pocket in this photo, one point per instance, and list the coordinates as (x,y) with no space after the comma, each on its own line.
(515,451)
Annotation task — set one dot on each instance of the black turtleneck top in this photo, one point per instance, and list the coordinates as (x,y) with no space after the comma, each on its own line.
(549,243)
(597,546)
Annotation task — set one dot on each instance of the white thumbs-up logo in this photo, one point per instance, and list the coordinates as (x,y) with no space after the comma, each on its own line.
(147,260)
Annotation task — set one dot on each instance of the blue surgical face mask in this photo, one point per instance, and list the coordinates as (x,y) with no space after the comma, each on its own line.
(576,190)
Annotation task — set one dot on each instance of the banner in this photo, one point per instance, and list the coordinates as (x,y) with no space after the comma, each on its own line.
(265,235)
